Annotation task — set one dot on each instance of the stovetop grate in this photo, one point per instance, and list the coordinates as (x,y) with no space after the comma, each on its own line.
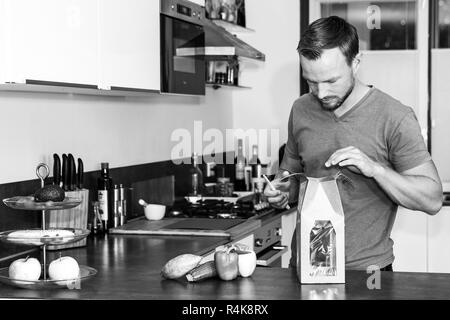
(216,209)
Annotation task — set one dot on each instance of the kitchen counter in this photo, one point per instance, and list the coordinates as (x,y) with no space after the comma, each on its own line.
(129,268)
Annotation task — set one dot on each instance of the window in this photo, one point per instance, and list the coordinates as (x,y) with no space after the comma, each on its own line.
(381,25)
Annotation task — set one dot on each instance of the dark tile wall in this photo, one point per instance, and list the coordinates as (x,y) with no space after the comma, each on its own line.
(17,219)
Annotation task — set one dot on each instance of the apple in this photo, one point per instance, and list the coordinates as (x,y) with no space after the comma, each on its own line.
(246,263)
(27,269)
(64,268)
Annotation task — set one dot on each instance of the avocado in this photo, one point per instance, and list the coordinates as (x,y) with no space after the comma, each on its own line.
(49,193)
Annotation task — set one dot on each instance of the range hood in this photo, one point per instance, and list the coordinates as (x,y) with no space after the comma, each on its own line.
(220,42)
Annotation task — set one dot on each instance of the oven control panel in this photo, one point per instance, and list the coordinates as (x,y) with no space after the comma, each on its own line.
(267,235)
(183,9)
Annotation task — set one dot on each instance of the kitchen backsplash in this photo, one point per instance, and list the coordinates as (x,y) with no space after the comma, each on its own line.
(130,176)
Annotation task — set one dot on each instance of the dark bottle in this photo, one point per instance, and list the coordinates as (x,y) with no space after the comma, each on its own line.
(240,162)
(195,177)
(255,163)
(104,197)
(254,159)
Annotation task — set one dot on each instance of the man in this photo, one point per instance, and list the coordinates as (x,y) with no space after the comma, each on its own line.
(343,124)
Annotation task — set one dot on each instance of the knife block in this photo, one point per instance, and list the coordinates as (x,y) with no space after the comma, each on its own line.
(75,218)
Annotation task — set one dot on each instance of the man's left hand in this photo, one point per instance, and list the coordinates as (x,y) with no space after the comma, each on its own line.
(355,160)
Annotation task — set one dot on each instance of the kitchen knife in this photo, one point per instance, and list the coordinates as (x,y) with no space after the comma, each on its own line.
(56,170)
(72,172)
(65,172)
(80,174)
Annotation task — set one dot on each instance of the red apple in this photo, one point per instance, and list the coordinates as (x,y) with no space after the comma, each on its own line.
(28,269)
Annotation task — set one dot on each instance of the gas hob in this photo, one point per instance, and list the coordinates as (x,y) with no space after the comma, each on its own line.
(245,208)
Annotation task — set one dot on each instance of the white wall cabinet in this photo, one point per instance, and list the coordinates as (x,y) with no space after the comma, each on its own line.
(50,40)
(439,242)
(421,241)
(101,43)
(129,44)
(410,241)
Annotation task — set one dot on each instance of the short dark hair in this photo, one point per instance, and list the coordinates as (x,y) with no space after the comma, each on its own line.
(329,33)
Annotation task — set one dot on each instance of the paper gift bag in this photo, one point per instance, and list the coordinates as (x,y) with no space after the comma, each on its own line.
(320,232)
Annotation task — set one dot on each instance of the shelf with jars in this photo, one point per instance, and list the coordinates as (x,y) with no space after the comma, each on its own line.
(228,14)
(223,72)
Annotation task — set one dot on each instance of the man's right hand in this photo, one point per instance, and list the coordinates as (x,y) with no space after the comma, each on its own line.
(278,198)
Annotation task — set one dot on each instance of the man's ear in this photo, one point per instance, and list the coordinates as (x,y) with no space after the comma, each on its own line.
(356,63)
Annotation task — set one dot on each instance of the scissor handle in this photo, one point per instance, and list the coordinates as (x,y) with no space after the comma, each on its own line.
(45,175)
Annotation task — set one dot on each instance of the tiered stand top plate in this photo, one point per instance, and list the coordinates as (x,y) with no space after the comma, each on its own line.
(28,203)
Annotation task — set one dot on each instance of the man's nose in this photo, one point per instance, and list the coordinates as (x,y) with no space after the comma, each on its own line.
(322,90)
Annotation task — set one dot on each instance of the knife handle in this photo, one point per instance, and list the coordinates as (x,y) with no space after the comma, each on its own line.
(65,172)
(80,173)
(56,170)
(72,174)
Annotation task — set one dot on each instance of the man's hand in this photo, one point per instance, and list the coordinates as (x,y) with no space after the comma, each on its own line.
(278,198)
(355,160)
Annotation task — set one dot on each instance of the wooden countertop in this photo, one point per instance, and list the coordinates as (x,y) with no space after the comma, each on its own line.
(129,268)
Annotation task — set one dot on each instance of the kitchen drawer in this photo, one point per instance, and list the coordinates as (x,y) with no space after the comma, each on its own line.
(271,257)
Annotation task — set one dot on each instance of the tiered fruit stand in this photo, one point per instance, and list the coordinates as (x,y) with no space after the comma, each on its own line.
(43,238)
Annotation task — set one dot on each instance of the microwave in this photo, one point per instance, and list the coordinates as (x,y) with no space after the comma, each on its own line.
(182,42)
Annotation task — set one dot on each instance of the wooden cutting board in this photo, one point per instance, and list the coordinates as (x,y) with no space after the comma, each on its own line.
(189,226)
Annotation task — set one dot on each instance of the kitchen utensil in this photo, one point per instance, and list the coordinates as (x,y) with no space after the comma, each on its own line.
(143,203)
(72,172)
(123,205)
(272,187)
(154,211)
(65,172)
(80,175)
(56,170)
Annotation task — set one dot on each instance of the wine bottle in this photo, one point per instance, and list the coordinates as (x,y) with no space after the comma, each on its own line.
(255,163)
(254,159)
(240,162)
(196,177)
(104,196)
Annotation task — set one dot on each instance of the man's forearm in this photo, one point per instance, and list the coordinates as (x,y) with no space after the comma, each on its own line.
(413,192)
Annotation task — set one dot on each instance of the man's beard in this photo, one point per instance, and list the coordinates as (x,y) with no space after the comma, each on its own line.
(333,103)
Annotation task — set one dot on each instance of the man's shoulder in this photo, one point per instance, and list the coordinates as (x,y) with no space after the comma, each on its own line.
(304,103)
(390,106)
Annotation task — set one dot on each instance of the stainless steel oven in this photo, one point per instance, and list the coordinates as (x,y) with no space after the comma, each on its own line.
(267,244)
(182,38)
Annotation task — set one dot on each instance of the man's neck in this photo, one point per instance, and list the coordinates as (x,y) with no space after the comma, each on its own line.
(359,91)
